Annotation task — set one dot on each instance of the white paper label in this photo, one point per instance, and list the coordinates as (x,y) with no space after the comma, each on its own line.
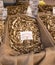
(29,11)
(1,4)
(54,11)
(26,35)
(3,13)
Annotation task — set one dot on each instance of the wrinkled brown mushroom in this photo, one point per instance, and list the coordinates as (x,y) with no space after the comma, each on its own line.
(49,21)
(12,10)
(19,24)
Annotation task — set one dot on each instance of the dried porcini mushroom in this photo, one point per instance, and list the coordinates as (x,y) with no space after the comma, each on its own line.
(49,21)
(12,10)
(22,23)
(45,8)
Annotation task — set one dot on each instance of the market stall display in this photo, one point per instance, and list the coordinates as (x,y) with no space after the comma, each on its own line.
(24,34)
(29,34)
(49,22)
(46,15)
(45,8)
(12,10)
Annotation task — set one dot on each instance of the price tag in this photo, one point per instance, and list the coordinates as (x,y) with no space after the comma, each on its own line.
(3,13)
(26,35)
(54,11)
(1,4)
(4,16)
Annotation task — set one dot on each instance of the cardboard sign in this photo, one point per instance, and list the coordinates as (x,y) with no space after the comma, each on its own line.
(26,35)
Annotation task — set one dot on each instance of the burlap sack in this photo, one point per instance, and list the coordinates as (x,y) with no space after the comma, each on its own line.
(27,59)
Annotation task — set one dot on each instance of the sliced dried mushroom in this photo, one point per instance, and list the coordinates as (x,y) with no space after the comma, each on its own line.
(49,21)
(22,23)
(12,10)
(45,8)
